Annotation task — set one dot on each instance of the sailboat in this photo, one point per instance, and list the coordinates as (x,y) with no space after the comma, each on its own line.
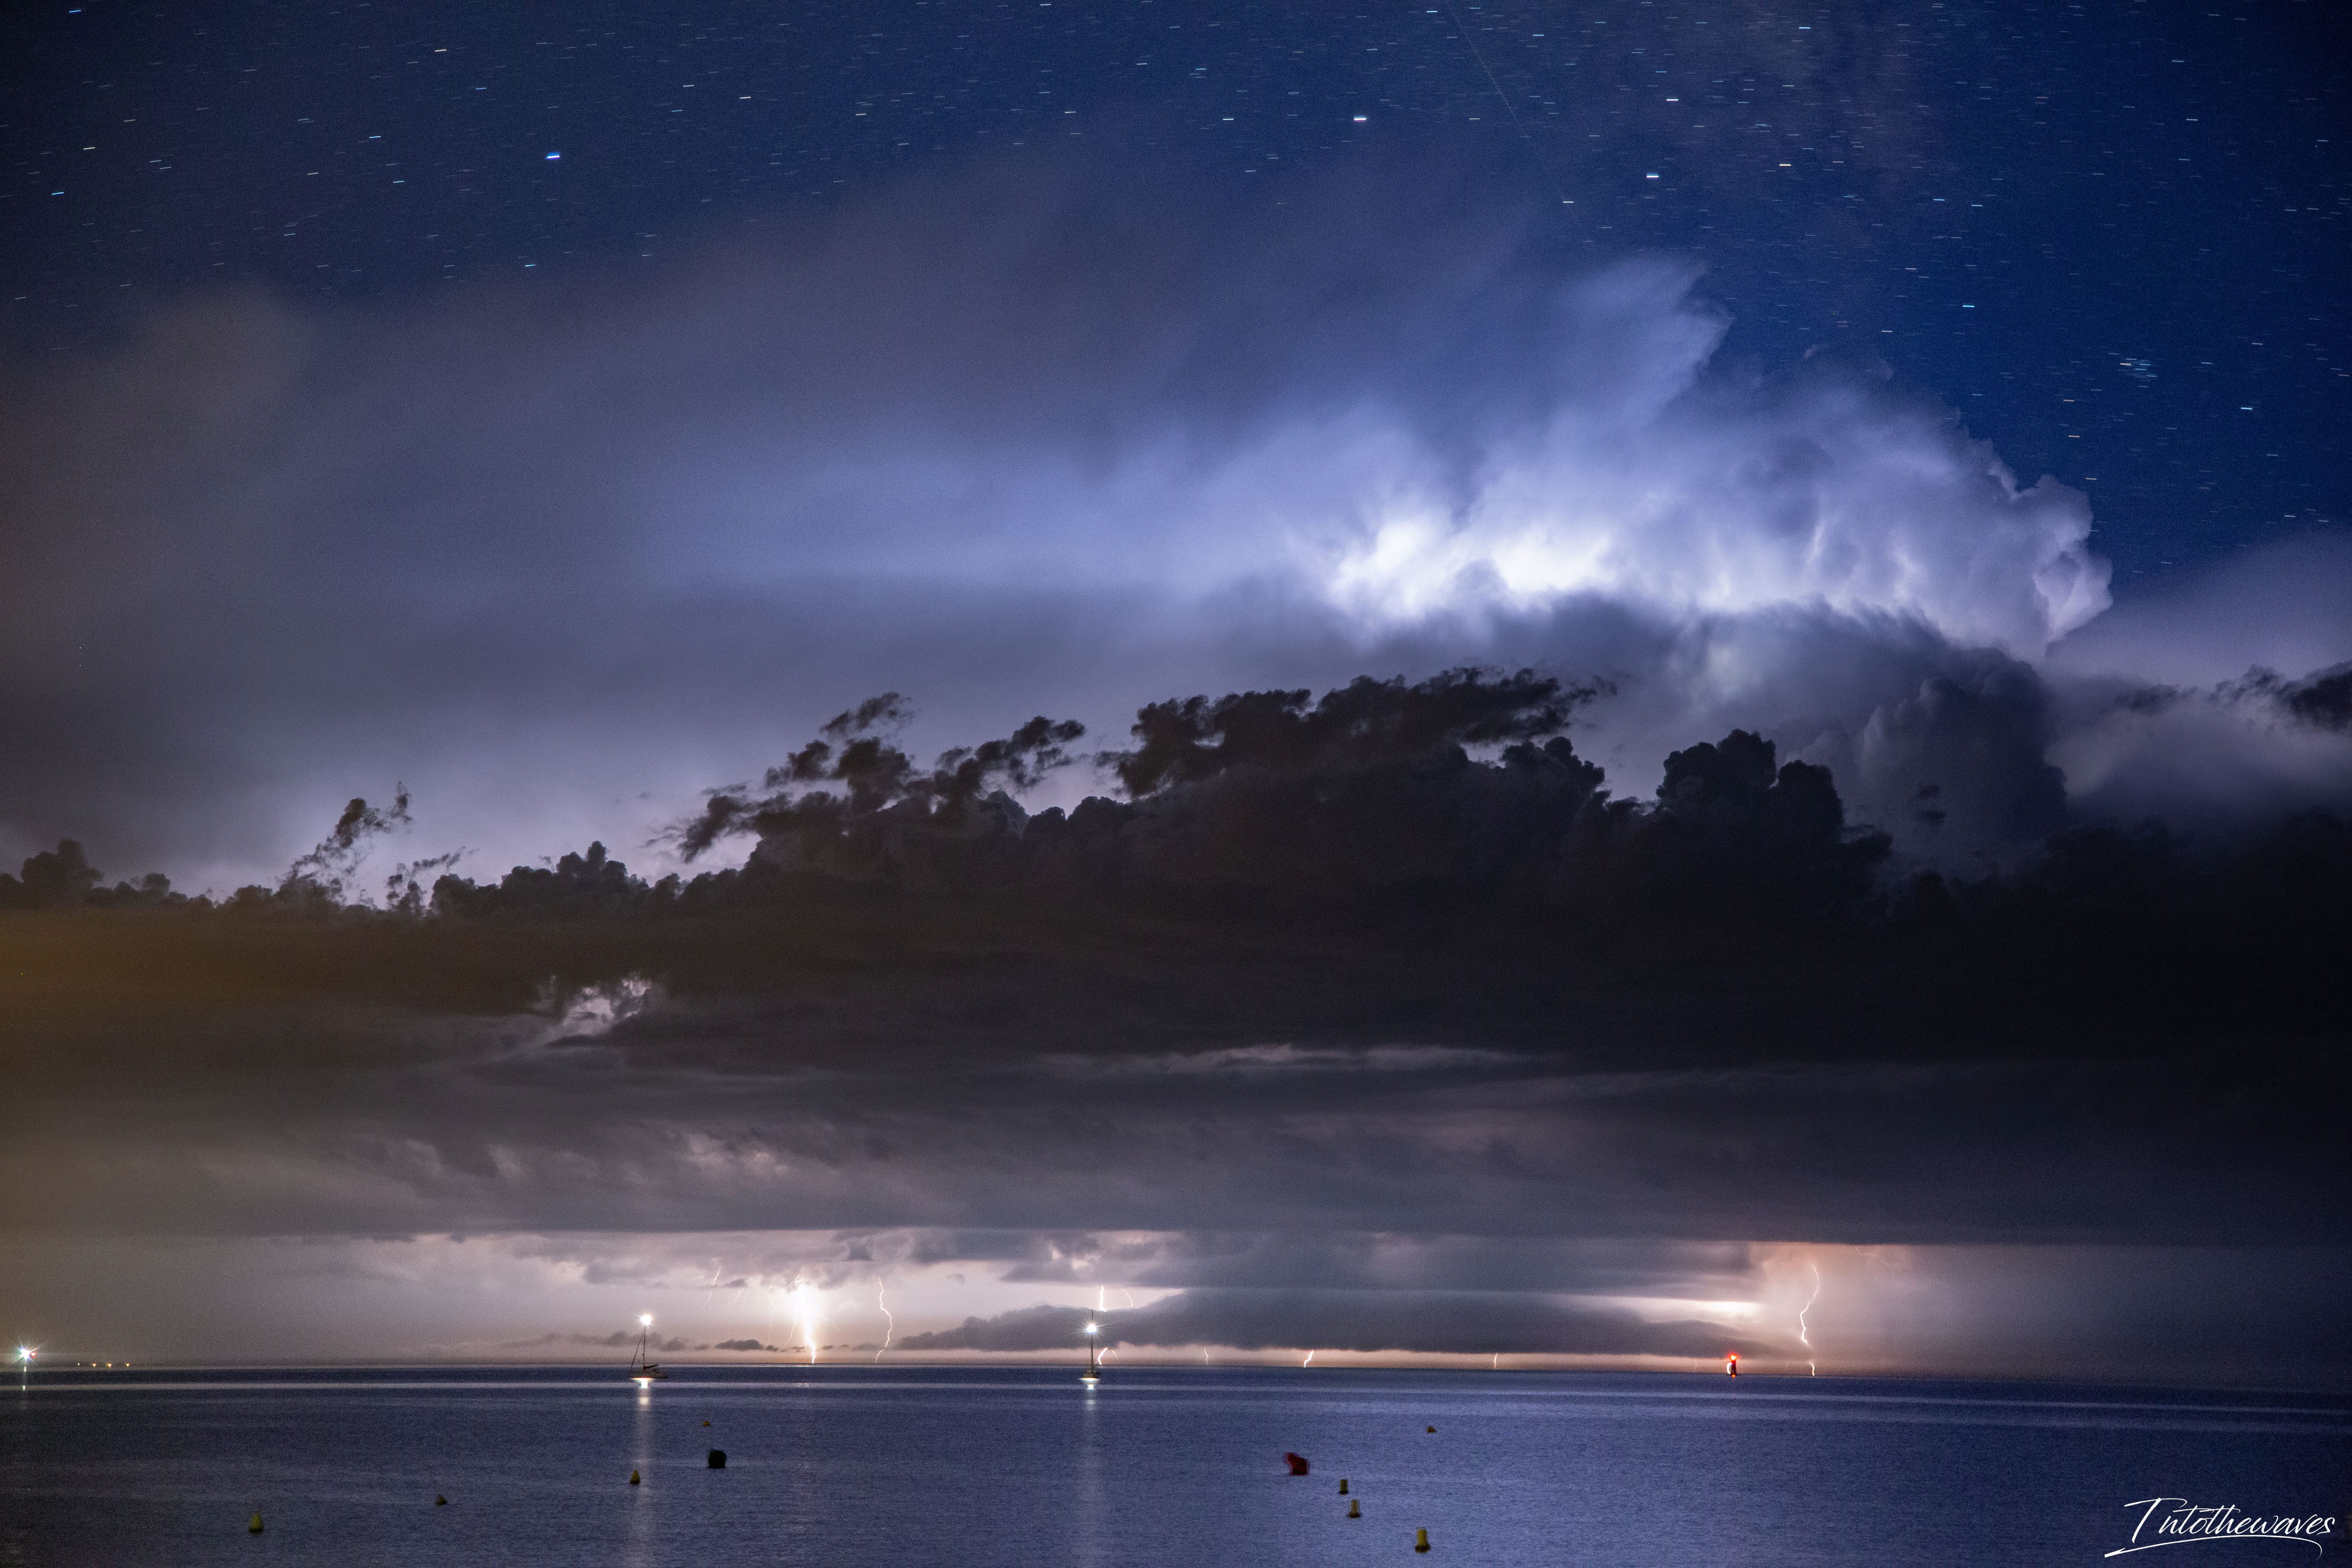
(640,1369)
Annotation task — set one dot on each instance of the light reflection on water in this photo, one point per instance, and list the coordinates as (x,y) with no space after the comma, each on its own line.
(1089,1536)
(640,1553)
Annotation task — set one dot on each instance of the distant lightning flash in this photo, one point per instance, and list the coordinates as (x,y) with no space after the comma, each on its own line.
(804,1303)
(1309,1360)
(1102,1299)
(890,1324)
(1802,1336)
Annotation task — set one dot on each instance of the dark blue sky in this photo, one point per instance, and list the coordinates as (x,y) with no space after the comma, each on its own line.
(2112,236)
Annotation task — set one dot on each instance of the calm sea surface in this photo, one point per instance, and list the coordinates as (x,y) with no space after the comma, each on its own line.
(985,1467)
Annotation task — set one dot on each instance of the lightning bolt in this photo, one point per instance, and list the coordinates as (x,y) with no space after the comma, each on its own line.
(1803,1337)
(1309,1360)
(805,1309)
(890,1324)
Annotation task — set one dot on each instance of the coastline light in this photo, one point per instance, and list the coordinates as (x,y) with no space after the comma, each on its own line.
(644,1320)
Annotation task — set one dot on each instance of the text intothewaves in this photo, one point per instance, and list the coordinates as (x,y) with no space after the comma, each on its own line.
(2176,1521)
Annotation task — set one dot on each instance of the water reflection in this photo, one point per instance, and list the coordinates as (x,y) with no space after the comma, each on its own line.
(1089,1539)
(638,1546)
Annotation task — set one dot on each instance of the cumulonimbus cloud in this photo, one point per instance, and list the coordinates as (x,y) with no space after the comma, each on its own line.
(654,524)
(563,561)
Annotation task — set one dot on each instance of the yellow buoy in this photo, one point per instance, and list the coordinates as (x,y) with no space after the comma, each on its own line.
(255,1528)
(440,1501)
(1353,1510)
(1420,1541)
(1343,1486)
(634,1480)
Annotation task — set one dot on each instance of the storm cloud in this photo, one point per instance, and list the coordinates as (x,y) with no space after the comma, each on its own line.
(559,560)
(1316,736)
(1390,960)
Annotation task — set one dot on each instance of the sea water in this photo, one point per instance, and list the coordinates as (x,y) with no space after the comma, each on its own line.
(976,1467)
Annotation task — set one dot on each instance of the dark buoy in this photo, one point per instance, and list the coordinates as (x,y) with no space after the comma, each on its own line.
(1354,1511)
(1343,1486)
(718,1459)
(1297,1463)
(1432,1428)
(1420,1541)
(440,1501)
(634,1479)
(255,1528)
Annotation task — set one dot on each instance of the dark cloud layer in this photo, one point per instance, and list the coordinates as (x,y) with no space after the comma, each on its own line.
(1327,971)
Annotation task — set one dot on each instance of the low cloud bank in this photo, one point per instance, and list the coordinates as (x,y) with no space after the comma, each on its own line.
(1393,956)
(1431,1322)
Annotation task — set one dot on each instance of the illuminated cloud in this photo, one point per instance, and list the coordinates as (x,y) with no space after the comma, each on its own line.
(559,564)
(1833,494)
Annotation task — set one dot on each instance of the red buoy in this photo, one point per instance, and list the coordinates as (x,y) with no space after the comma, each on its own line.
(1297,1463)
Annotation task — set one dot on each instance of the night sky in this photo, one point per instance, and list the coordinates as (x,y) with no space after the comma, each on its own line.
(1901,451)
(2110,236)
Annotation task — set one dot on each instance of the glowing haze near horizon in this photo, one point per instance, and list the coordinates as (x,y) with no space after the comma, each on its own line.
(1065,431)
